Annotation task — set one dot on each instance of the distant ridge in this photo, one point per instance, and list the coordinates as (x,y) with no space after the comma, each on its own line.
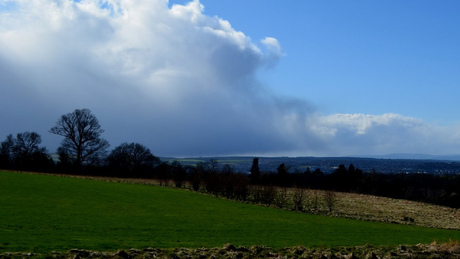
(414,156)
(387,164)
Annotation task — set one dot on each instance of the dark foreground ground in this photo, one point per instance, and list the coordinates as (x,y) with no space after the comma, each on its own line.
(434,250)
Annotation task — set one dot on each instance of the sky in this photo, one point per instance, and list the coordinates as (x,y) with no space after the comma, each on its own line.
(234,77)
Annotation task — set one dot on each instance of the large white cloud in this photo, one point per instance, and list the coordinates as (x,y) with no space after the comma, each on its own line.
(174,79)
(383,134)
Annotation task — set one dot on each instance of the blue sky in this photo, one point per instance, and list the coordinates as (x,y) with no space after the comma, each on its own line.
(360,57)
(198,78)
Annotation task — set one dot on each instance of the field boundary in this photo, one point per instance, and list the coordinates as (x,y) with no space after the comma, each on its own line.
(433,250)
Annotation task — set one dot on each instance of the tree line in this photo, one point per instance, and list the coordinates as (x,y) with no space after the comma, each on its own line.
(84,151)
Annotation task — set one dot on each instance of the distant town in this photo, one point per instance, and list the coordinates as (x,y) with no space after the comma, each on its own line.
(329,164)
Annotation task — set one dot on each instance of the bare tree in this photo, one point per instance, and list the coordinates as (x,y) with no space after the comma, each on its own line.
(27,143)
(24,152)
(213,165)
(6,151)
(196,176)
(82,136)
(178,173)
(132,159)
(298,198)
(268,195)
(314,200)
(281,198)
(331,199)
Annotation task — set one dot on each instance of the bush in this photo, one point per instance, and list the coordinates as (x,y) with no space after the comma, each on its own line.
(298,198)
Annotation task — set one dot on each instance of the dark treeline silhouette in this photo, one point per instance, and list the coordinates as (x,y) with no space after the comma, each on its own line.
(84,152)
(24,153)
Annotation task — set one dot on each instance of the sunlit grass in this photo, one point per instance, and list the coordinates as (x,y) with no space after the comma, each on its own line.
(44,213)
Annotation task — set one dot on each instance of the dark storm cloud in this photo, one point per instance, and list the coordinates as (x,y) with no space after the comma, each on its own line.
(176,80)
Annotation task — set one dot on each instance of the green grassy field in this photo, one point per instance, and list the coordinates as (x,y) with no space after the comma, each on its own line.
(40,213)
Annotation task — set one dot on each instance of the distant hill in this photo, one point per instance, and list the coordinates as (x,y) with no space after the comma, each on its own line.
(389,164)
(415,156)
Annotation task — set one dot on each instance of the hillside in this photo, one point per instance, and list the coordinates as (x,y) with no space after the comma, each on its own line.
(44,213)
(358,206)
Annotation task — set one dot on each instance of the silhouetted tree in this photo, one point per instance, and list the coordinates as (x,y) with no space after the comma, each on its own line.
(6,152)
(65,163)
(213,165)
(196,175)
(132,159)
(241,183)
(163,174)
(343,179)
(255,172)
(227,169)
(178,173)
(351,169)
(82,137)
(24,152)
(282,174)
(342,170)
(227,181)
(282,169)
(316,179)
(268,195)
(26,144)
(212,183)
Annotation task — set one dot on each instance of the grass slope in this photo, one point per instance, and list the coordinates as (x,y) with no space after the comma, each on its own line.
(42,213)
